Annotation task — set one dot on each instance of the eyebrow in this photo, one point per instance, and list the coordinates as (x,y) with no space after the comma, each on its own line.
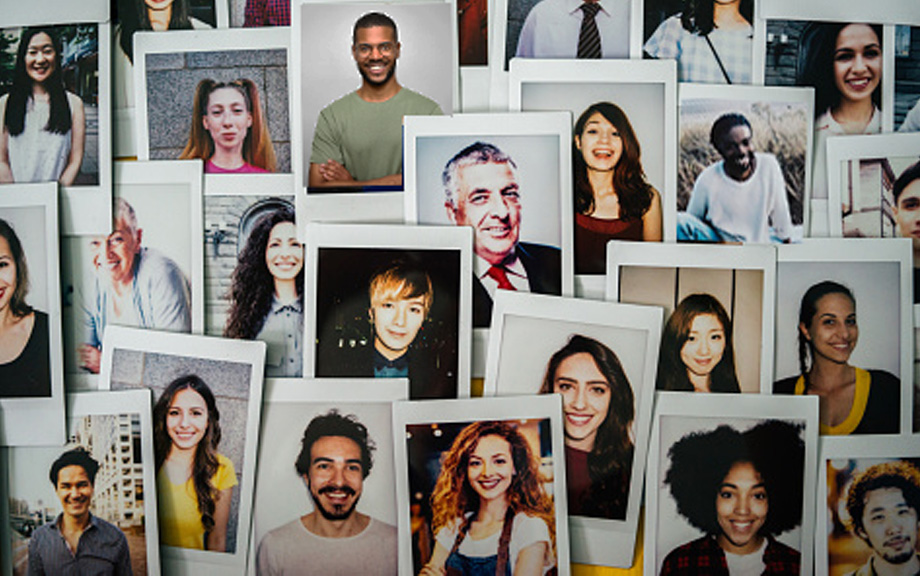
(328,459)
(730,485)
(848,49)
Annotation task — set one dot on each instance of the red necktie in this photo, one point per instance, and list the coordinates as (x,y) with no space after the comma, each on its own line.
(498,274)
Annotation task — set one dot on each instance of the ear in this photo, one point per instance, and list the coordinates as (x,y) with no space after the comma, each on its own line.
(451,212)
(140,235)
(370,314)
(804,331)
(204,122)
(578,141)
(398,48)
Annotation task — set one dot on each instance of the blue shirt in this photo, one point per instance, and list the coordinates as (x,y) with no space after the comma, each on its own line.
(283,334)
(101,550)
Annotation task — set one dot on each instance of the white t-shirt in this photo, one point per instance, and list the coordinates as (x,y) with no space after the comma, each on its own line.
(742,564)
(525,530)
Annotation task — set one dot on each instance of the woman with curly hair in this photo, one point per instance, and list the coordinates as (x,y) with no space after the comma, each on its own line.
(490,512)
(194,482)
(697,354)
(613,200)
(599,407)
(229,130)
(266,293)
(741,489)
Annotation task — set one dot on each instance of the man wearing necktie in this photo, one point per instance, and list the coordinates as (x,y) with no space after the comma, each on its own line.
(482,191)
(575,29)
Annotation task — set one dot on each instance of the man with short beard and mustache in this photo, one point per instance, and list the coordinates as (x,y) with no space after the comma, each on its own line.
(884,507)
(740,199)
(336,456)
(358,138)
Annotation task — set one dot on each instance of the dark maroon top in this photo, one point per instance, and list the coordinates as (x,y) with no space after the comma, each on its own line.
(591,237)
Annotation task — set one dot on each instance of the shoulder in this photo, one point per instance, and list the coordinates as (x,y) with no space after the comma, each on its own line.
(781,559)
(524,523)
(225,463)
(75,101)
(41,533)
(153,261)
(786,385)
(418,102)
(683,559)
(545,7)
(225,477)
(884,379)
(279,535)
(379,529)
(537,250)
(109,531)
(348,100)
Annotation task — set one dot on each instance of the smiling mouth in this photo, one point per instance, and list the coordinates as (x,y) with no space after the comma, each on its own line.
(578,419)
(897,542)
(489,484)
(497,231)
(603,153)
(742,527)
(859,84)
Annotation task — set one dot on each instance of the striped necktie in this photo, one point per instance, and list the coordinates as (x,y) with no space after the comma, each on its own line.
(589,39)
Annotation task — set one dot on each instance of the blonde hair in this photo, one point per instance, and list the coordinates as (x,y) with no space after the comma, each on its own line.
(400,281)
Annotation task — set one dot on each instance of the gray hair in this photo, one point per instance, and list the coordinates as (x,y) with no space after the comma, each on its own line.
(124,212)
(475,153)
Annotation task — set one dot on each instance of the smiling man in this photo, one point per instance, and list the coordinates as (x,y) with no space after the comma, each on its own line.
(358,138)
(133,286)
(742,198)
(883,504)
(906,210)
(482,191)
(336,457)
(77,542)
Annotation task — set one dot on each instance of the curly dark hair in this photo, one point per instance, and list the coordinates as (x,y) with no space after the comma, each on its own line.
(701,460)
(697,15)
(334,424)
(901,475)
(252,286)
(59,121)
(610,462)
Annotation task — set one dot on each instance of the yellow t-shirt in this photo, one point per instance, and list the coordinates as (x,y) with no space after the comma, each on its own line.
(180,520)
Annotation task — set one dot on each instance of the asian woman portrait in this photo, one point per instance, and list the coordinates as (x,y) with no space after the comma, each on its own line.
(696,352)
(24,351)
(194,482)
(613,199)
(266,293)
(43,124)
(598,405)
(229,129)
(156,15)
(491,514)
(851,400)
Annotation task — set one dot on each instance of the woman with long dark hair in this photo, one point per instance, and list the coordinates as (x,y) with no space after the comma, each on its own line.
(697,354)
(598,405)
(266,293)
(613,200)
(851,400)
(194,482)
(43,125)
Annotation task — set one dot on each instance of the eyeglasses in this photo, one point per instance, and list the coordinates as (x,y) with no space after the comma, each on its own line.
(385,48)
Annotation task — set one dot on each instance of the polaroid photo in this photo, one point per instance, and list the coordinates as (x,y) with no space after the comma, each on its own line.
(454,456)
(341,158)
(907,78)
(868,501)
(723,293)
(67,138)
(131,16)
(259,13)
(331,463)
(744,164)
(731,474)
(222,96)
(207,396)
(254,267)
(390,302)
(848,301)
(108,457)
(31,370)
(601,358)
(637,100)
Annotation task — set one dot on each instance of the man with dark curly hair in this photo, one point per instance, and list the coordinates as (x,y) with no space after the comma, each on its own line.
(883,505)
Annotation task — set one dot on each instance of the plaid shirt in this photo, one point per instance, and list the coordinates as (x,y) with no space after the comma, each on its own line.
(268,13)
(695,59)
(704,557)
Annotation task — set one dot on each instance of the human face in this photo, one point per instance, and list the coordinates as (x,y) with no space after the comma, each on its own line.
(833,331)
(336,476)
(585,399)
(489,200)
(889,525)
(907,213)
(857,63)
(74,490)
(158,4)
(97,248)
(284,252)
(227,119)
(375,51)
(741,509)
(121,248)
(737,150)
(187,419)
(705,345)
(40,58)
(7,274)
(491,467)
(396,323)
(600,143)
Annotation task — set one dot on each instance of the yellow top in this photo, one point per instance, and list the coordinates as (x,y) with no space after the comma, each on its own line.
(857,411)
(180,520)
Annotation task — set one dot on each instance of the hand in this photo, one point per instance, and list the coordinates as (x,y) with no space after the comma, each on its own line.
(333,171)
(429,570)
(89,358)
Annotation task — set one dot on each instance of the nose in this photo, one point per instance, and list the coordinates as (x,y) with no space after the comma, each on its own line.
(578,400)
(400,317)
(498,206)
(338,476)
(859,62)
(704,346)
(742,506)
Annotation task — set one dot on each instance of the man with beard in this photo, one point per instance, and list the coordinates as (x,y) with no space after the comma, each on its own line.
(740,199)
(358,138)
(883,504)
(335,458)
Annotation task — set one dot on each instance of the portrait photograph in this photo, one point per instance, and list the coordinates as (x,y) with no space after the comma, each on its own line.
(331,464)
(108,457)
(207,396)
(744,164)
(390,302)
(870,491)
(844,312)
(465,462)
(222,96)
(731,486)
(31,370)
(601,358)
(353,97)
(906,92)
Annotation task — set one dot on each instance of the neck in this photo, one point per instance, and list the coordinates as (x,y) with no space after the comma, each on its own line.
(882,567)
(181,456)
(74,524)
(7,318)
(826,376)
(585,444)
(388,353)
(317,524)
(39,92)
(286,291)
(854,115)
(699,382)
(228,158)
(159,19)
(601,182)
(492,510)
(727,16)
(374,93)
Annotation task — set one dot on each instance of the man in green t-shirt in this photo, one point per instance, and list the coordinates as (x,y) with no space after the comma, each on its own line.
(358,138)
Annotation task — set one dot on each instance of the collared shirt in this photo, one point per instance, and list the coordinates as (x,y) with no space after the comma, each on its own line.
(552,28)
(267,13)
(868,569)
(704,557)
(395,368)
(101,550)
(517,275)
(283,333)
